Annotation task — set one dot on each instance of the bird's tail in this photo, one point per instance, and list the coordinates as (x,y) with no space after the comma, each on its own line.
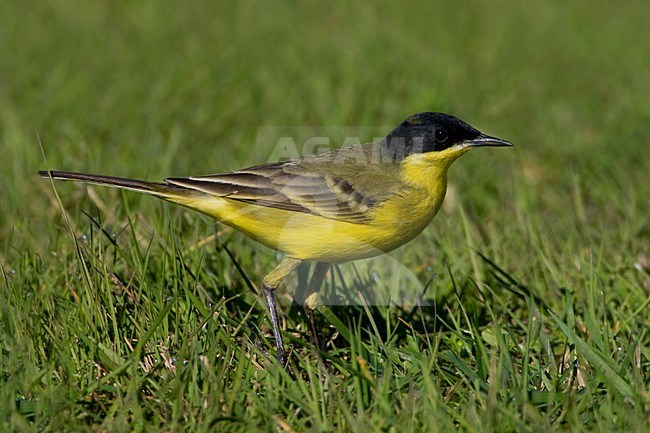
(161,190)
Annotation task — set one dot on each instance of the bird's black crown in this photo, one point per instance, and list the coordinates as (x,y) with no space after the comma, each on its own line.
(428,132)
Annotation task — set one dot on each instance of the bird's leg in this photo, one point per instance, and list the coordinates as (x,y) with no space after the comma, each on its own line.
(310,300)
(269,284)
(303,282)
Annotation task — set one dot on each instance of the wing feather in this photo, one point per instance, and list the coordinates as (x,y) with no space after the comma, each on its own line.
(319,185)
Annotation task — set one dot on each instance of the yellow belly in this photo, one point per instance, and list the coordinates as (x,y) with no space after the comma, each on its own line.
(312,237)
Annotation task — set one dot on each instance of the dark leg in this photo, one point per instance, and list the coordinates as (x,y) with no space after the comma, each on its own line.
(315,340)
(275,322)
(271,282)
(310,301)
(303,283)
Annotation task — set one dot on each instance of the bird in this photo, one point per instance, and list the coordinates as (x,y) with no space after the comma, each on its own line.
(327,208)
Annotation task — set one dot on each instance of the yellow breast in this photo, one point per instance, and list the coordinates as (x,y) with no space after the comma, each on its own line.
(313,237)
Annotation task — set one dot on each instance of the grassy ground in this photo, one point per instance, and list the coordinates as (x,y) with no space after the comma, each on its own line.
(123,313)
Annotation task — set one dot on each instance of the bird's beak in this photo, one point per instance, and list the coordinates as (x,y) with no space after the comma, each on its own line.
(486,140)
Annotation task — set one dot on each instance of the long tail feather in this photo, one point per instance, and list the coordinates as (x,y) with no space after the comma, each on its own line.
(162,190)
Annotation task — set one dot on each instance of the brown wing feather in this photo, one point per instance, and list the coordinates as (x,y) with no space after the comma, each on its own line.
(318,186)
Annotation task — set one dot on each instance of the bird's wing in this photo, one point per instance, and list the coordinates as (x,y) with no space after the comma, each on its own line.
(338,185)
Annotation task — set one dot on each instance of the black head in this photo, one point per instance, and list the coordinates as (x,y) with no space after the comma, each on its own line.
(435,132)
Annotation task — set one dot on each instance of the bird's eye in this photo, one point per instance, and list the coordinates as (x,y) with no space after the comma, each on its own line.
(441,135)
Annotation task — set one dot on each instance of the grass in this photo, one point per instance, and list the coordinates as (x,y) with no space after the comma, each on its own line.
(121,313)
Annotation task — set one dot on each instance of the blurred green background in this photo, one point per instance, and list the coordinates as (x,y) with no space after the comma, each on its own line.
(151,89)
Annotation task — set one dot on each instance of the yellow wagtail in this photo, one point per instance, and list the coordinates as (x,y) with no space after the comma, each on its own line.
(346,204)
